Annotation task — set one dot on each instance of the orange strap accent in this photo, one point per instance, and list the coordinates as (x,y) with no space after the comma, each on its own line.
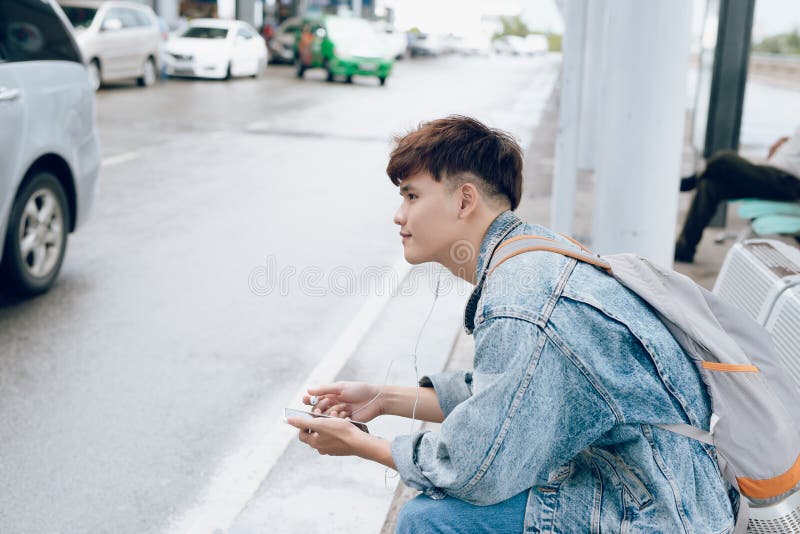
(771,487)
(519,237)
(596,263)
(576,242)
(730,367)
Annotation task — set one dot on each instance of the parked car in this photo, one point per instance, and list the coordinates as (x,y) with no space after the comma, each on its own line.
(214,48)
(394,41)
(474,45)
(343,46)
(282,44)
(119,40)
(424,44)
(49,150)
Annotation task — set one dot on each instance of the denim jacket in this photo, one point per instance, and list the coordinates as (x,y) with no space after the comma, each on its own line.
(571,373)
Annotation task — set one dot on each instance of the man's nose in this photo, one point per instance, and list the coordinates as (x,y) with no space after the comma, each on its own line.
(400,216)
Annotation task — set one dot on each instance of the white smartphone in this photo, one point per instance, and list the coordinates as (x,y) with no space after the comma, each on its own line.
(289,412)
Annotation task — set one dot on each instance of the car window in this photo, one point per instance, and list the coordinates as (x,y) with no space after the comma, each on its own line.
(128,18)
(244,34)
(80,17)
(142,19)
(204,32)
(32,30)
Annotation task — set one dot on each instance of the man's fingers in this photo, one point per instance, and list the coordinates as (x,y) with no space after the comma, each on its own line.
(326,389)
(324,404)
(340,409)
(302,423)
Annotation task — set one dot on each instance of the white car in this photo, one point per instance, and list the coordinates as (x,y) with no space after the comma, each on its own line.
(49,151)
(219,49)
(395,42)
(119,40)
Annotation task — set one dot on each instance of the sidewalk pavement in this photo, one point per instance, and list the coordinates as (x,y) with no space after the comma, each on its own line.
(535,208)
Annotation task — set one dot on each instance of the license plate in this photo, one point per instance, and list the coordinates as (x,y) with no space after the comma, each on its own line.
(368,66)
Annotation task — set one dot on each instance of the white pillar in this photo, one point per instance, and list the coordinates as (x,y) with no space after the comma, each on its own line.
(593,62)
(641,128)
(566,157)
(168,10)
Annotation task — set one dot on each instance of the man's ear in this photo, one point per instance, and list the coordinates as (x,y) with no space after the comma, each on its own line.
(469,198)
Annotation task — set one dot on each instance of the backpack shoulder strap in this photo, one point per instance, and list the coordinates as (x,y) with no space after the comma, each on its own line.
(528,243)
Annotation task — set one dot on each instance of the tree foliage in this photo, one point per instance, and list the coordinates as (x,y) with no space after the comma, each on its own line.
(784,43)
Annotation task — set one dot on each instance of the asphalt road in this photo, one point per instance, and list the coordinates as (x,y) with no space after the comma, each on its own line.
(212,277)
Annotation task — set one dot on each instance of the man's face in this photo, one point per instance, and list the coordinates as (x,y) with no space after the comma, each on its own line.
(428,218)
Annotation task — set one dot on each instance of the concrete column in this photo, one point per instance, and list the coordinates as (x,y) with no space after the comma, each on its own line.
(168,10)
(566,156)
(641,127)
(592,83)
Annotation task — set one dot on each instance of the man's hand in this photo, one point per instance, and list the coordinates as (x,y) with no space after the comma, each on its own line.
(339,437)
(356,400)
(775,146)
(332,437)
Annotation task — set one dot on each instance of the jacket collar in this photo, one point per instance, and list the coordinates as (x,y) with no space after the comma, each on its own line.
(495,234)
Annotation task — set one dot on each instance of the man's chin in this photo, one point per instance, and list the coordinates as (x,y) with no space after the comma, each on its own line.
(412,258)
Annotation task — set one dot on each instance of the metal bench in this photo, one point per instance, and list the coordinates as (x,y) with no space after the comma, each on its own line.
(767,217)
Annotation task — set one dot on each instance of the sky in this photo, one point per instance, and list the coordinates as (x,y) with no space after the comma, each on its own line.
(463,16)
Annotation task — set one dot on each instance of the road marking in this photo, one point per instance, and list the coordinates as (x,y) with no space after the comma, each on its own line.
(119,158)
(266,436)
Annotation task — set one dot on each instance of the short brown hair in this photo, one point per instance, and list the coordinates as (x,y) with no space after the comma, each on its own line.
(456,146)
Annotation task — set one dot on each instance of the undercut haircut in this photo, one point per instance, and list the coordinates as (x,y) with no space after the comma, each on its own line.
(461,149)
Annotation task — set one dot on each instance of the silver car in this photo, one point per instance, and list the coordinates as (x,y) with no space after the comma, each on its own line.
(49,151)
(119,40)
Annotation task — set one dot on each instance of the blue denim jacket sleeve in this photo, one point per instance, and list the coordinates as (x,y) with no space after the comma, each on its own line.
(452,388)
(532,409)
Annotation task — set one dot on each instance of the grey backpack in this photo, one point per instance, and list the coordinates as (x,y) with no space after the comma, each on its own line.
(755,425)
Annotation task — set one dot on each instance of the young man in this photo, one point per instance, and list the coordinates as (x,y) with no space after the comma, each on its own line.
(555,428)
(728,176)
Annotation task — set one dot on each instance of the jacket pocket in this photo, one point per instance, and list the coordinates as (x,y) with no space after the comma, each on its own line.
(630,483)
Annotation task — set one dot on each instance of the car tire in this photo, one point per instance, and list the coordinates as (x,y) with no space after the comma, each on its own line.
(149,73)
(36,239)
(349,79)
(382,80)
(329,73)
(228,73)
(301,69)
(95,74)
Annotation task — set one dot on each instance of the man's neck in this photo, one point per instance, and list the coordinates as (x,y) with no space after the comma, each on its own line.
(462,258)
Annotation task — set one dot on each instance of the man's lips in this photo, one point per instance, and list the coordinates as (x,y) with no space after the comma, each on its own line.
(404,235)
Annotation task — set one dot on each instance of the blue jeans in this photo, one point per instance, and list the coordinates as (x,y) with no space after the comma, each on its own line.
(423,515)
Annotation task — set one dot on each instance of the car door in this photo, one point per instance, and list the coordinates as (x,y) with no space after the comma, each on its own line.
(147,38)
(243,52)
(112,45)
(11,118)
(134,36)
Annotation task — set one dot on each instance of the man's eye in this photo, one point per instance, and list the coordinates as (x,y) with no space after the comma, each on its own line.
(411,196)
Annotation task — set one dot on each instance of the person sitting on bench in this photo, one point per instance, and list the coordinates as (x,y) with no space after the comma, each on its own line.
(728,176)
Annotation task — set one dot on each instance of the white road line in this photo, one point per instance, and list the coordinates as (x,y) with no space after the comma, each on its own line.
(266,436)
(119,158)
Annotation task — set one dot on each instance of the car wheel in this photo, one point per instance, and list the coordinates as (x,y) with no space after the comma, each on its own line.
(228,73)
(301,69)
(329,73)
(382,80)
(36,239)
(149,73)
(95,77)
(349,79)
